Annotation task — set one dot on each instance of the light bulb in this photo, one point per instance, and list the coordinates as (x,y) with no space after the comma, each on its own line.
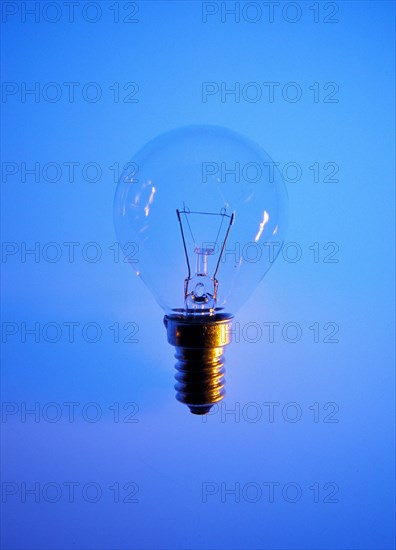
(204,210)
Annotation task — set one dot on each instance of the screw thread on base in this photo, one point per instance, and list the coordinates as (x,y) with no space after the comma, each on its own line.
(200,378)
(199,343)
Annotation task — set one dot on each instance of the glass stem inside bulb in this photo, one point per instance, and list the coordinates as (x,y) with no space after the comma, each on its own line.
(200,290)
(202,260)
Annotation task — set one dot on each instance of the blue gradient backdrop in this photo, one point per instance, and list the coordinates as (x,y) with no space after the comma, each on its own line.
(338,457)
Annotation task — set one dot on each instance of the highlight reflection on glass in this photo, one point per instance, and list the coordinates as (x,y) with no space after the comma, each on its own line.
(206,208)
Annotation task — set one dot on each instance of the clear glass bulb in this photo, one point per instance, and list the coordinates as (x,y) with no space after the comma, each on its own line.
(200,214)
(204,209)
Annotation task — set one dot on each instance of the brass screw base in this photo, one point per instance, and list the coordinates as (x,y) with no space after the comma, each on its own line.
(199,343)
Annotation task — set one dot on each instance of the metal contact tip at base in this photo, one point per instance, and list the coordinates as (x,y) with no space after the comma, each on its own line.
(199,409)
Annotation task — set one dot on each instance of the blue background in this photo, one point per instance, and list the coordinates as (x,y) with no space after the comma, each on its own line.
(168,453)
